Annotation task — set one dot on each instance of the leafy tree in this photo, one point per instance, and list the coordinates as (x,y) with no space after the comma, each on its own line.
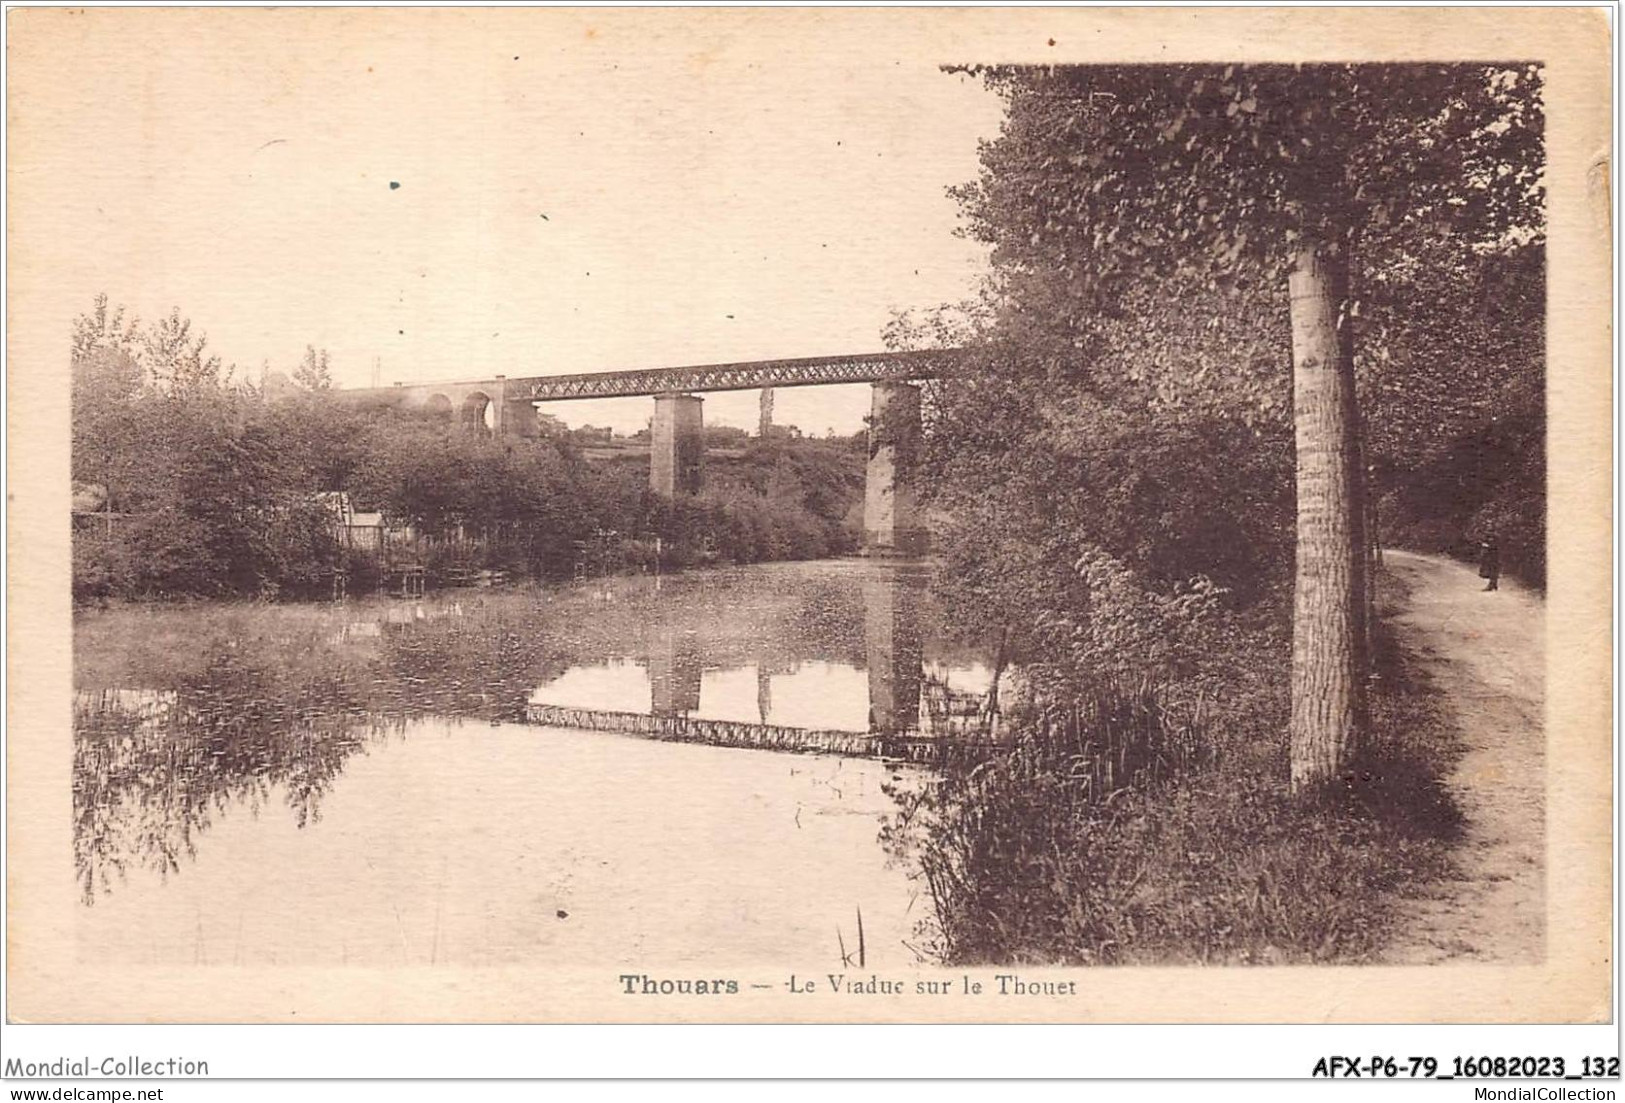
(179,362)
(324,439)
(313,373)
(106,387)
(101,331)
(1114,192)
(213,490)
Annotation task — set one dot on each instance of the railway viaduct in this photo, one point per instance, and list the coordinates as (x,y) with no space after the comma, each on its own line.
(508,407)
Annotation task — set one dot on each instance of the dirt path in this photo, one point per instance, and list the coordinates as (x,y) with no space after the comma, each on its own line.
(1486,653)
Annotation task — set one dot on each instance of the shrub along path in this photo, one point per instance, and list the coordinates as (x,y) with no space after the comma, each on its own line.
(1485,653)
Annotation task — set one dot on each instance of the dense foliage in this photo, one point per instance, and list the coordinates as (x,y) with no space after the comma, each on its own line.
(1456,404)
(189,482)
(1115,488)
(1141,218)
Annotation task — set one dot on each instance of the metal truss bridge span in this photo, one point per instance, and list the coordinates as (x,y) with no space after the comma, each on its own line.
(511,407)
(807,371)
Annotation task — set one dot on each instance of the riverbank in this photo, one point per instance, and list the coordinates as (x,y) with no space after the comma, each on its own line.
(319,496)
(1038,854)
(1214,863)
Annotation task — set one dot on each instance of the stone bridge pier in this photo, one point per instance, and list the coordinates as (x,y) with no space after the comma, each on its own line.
(677,445)
(891,520)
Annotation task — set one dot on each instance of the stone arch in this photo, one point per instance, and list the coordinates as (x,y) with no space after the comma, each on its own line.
(438,406)
(478,412)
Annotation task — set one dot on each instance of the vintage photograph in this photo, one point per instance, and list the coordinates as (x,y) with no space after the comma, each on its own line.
(544,498)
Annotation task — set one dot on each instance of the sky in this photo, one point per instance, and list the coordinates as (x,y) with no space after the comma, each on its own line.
(455,194)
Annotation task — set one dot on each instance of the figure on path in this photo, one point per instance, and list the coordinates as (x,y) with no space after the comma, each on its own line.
(1489,564)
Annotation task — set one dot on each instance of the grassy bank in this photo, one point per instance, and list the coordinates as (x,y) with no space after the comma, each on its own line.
(1125,829)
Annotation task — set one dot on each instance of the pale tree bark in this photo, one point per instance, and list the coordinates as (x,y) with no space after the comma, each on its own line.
(1329,656)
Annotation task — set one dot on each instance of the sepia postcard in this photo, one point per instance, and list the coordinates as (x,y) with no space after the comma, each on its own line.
(777,515)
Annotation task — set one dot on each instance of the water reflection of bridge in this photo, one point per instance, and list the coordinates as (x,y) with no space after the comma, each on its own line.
(738,733)
(906,707)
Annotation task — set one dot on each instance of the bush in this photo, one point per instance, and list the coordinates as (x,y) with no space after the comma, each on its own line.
(1146,825)
(102,565)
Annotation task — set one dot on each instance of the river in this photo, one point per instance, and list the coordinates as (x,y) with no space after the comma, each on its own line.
(362,782)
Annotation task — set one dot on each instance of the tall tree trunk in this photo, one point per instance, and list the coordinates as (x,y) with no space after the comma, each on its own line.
(1329,613)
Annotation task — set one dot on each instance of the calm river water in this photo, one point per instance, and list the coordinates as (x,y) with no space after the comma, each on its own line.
(357,782)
